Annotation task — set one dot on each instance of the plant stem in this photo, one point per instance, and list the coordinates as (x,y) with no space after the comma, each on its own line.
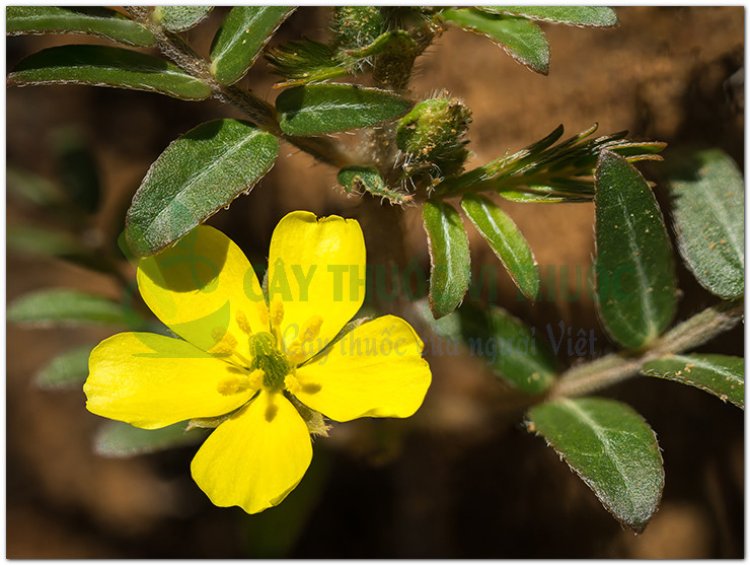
(617,367)
(260,112)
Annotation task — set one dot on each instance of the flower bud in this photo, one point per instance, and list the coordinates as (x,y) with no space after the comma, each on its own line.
(357,26)
(433,135)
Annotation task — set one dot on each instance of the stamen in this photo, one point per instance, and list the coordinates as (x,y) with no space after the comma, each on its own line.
(277,314)
(263,314)
(291,383)
(242,322)
(310,330)
(235,384)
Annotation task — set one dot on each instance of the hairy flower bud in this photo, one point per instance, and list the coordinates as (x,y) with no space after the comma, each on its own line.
(357,26)
(433,135)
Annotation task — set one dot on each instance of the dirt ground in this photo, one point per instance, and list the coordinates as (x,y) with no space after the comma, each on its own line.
(455,481)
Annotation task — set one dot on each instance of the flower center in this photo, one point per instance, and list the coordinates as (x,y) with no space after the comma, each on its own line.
(269,359)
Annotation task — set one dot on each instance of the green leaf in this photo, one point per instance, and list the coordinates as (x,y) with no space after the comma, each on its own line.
(22,20)
(117,439)
(358,179)
(319,109)
(64,307)
(450,261)
(107,66)
(68,370)
(78,170)
(708,194)
(612,448)
(512,349)
(506,240)
(520,38)
(636,287)
(585,16)
(242,37)
(199,173)
(181,18)
(720,375)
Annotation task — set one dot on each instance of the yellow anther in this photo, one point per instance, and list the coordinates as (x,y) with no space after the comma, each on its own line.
(240,382)
(263,315)
(292,384)
(255,379)
(276,314)
(310,329)
(222,338)
(242,322)
(297,352)
(233,385)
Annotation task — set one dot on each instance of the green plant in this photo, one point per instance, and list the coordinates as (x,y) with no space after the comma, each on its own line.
(413,153)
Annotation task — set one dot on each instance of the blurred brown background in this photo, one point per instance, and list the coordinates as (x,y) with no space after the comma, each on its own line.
(456,480)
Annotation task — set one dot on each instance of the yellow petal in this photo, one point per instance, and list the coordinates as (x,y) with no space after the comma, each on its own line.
(152,381)
(255,458)
(375,370)
(316,272)
(206,291)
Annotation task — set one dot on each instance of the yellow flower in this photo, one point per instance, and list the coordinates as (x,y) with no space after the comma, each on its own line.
(246,358)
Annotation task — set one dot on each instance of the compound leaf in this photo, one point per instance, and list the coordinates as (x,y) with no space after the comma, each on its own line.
(96,65)
(199,173)
(612,448)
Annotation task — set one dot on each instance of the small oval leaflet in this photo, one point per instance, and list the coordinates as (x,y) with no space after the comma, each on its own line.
(520,38)
(96,65)
(513,351)
(636,289)
(181,18)
(612,448)
(584,16)
(506,240)
(197,175)
(102,22)
(319,109)
(708,195)
(450,261)
(720,375)
(241,38)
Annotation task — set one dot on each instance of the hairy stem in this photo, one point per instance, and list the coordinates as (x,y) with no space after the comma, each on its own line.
(260,112)
(617,367)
